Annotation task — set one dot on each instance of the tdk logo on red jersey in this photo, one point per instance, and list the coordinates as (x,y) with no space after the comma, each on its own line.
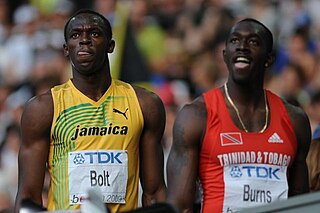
(258,171)
(236,171)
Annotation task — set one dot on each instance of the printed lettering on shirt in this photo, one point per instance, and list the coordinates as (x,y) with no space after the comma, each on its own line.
(243,157)
(253,184)
(106,170)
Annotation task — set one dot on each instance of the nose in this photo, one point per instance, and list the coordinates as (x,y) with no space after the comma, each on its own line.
(243,45)
(85,38)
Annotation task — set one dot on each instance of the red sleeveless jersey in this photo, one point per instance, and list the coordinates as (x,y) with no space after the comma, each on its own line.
(239,169)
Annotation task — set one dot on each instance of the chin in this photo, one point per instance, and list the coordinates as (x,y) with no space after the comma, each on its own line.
(243,80)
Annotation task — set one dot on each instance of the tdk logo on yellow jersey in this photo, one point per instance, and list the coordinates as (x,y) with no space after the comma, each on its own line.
(99,131)
(98,157)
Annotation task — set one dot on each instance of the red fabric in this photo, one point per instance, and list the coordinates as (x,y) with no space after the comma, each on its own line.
(223,137)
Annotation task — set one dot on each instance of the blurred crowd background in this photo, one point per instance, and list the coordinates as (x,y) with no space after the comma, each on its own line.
(173,47)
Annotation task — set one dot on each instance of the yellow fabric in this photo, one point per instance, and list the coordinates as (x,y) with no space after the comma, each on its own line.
(118,111)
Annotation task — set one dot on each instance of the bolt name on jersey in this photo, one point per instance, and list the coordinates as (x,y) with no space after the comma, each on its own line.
(97,179)
(99,131)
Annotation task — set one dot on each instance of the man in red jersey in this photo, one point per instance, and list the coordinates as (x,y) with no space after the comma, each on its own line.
(246,145)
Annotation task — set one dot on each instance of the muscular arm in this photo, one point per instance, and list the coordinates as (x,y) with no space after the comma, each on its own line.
(182,166)
(298,174)
(35,130)
(151,153)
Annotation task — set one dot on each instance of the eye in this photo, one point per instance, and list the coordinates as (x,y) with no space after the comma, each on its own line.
(254,42)
(95,34)
(74,35)
(234,40)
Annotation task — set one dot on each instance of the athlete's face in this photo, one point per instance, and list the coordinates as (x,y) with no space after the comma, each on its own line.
(246,52)
(87,44)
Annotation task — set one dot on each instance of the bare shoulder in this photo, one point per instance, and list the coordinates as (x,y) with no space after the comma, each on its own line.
(190,123)
(301,123)
(148,100)
(40,103)
(38,111)
(196,109)
(153,111)
(297,114)
(146,96)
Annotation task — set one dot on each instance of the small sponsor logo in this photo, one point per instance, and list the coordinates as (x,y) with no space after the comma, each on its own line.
(97,157)
(121,113)
(78,159)
(256,171)
(236,171)
(275,138)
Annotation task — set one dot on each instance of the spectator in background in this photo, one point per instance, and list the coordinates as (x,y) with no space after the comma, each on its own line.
(20,46)
(297,51)
(149,36)
(313,109)
(296,41)
(313,161)
(167,12)
(6,201)
(204,74)
(5,25)
(9,159)
(127,61)
(5,120)
(265,12)
(291,84)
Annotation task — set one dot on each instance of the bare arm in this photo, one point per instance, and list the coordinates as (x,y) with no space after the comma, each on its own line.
(151,153)
(35,130)
(298,175)
(182,166)
(313,165)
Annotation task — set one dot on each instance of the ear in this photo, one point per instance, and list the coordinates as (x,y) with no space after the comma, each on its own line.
(111,46)
(65,50)
(224,55)
(270,60)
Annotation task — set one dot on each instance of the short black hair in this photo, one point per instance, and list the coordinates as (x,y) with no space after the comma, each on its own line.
(88,11)
(269,36)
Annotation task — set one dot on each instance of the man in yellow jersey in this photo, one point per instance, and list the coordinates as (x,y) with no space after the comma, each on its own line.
(92,132)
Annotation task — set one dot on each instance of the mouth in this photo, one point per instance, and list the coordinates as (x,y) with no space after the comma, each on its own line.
(241,62)
(84,52)
(85,55)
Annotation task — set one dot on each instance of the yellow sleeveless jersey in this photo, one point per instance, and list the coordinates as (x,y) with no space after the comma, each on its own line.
(95,145)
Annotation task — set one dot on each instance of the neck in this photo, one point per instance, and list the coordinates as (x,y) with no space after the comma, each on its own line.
(254,120)
(246,95)
(92,86)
